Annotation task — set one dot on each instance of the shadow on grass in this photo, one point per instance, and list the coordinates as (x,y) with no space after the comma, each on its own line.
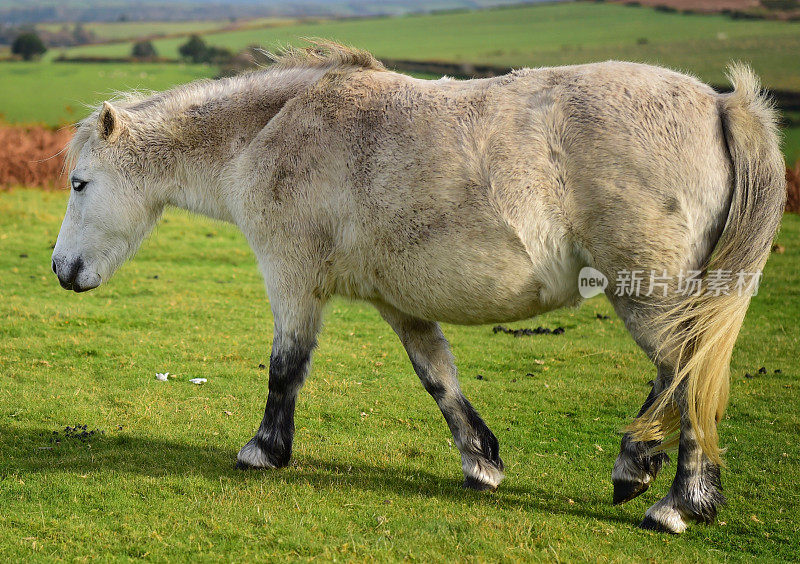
(31,451)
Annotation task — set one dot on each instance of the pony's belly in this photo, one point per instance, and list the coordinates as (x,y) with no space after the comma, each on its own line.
(471,285)
(519,294)
(460,264)
(475,307)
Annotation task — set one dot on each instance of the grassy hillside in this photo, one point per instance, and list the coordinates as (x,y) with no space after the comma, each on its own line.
(121,31)
(375,474)
(549,35)
(133,30)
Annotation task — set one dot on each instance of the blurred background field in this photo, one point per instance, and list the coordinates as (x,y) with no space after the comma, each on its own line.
(550,34)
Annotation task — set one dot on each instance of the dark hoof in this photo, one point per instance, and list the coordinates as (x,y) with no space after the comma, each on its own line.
(244,466)
(256,455)
(475,484)
(626,491)
(650,524)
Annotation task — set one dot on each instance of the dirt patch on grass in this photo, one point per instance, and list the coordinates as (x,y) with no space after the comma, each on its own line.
(31,156)
(528,331)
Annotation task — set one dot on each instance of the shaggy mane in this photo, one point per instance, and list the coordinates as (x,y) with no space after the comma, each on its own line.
(321,54)
(324,53)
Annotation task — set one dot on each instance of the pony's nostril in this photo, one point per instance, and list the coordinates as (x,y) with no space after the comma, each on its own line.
(53,266)
(68,272)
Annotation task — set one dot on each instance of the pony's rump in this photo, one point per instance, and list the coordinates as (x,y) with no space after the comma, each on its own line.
(703,328)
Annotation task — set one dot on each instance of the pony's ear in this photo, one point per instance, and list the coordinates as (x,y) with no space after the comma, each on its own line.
(111,122)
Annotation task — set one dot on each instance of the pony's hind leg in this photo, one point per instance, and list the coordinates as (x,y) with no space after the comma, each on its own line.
(433,362)
(297,323)
(696,492)
(637,464)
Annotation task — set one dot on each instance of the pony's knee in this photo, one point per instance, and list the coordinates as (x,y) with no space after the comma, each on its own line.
(288,367)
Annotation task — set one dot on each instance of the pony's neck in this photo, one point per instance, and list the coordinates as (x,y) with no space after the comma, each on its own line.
(216,122)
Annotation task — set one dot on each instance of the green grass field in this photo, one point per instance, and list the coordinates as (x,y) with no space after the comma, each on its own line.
(55,94)
(374,474)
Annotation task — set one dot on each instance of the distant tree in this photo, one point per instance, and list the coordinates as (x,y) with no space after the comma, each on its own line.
(195,49)
(81,35)
(28,45)
(217,55)
(144,50)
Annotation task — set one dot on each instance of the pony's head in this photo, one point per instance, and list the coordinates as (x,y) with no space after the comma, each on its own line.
(113,205)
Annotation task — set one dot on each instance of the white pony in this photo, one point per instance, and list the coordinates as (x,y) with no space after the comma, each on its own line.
(461,201)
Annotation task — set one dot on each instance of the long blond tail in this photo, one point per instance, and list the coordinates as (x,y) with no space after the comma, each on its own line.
(703,328)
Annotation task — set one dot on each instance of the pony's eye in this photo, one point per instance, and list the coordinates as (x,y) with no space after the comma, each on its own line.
(79,185)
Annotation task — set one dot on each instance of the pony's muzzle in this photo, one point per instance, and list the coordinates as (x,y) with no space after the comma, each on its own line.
(72,275)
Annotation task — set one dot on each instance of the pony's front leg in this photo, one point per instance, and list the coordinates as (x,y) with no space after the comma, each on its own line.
(433,362)
(297,323)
